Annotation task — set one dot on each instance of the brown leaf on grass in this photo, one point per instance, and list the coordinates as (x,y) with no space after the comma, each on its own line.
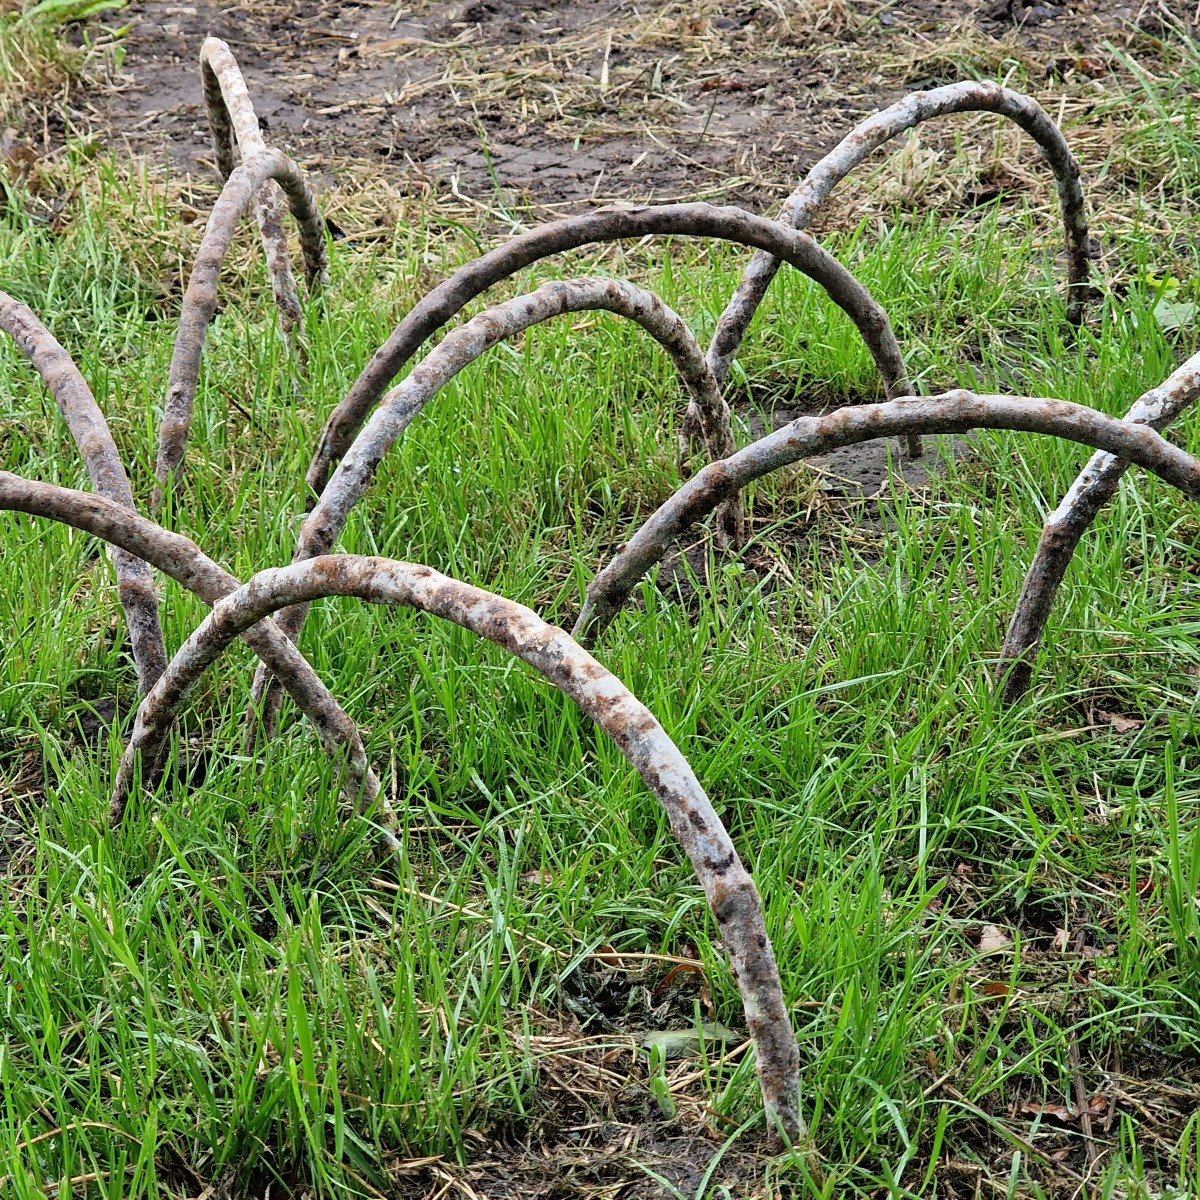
(20,160)
(1060,1112)
(672,977)
(1119,723)
(609,955)
(1097,1106)
(993,940)
(994,987)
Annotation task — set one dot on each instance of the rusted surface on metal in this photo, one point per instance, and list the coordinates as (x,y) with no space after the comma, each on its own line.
(92,436)
(730,891)
(184,562)
(200,299)
(815,189)
(233,121)
(1093,488)
(951,412)
(456,351)
(604,225)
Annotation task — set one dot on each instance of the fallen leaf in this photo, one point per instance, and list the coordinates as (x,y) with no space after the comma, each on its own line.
(1060,1112)
(993,940)
(679,1043)
(1097,1106)
(1120,723)
(1174,315)
(608,955)
(995,988)
(672,976)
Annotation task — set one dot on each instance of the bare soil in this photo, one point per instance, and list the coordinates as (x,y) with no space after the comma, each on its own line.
(562,103)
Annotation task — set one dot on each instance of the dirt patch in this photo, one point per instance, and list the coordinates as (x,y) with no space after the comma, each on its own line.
(862,471)
(22,794)
(562,104)
(640,1159)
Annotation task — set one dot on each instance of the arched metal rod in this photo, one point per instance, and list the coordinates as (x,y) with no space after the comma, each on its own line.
(1093,488)
(184,562)
(455,352)
(135,581)
(807,200)
(730,891)
(952,412)
(200,300)
(604,225)
(232,119)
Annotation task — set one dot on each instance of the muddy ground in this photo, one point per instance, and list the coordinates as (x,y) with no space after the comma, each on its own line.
(569,102)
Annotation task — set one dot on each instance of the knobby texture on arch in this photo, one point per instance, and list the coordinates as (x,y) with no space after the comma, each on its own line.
(101,459)
(456,351)
(604,225)
(184,562)
(951,412)
(200,300)
(802,206)
(233,121)
(1093,488)
(731,894)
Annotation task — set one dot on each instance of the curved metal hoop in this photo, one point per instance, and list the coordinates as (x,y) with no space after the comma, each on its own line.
(232,119)
(604,225)
(200,299)
(184,562)
(94,440)
(952,412)
(1093,488)
(732,896)
(458,350)
(802,206)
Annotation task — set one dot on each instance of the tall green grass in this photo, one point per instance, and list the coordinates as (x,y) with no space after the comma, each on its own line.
(226,991)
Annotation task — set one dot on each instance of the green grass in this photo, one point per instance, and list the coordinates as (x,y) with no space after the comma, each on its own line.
(227,991)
